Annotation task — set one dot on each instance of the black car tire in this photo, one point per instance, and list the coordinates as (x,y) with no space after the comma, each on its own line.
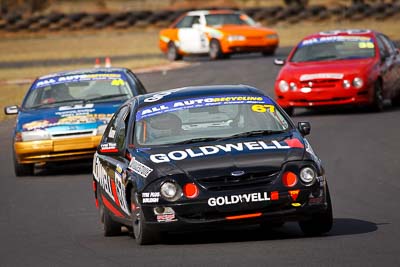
(110,227)
(23,169)
(141,231)
(320,223)
(378,105)
(172,52)
(396,101)
(215,50)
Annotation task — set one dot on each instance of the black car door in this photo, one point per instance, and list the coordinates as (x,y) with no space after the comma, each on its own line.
(113,159)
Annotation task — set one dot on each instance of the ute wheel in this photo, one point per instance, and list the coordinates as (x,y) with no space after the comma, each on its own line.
(377,105)
(141,231)
(172,53)
(110,227)
(215,50)
(23,169)
(320,223)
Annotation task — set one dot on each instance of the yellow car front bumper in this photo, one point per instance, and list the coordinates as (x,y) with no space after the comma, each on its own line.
(56,150)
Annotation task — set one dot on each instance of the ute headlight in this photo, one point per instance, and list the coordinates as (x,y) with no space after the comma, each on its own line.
(346,84)
(307,175)
(35,135)
(358,82)
(170,191)
(283,86)
(232,38)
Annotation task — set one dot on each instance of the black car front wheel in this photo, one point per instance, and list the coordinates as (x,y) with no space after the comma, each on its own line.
(141,231)
(23,169)
(319,223)
(110,227)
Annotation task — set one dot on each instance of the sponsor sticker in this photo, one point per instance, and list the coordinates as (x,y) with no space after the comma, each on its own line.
(205,151)
(166,217)
(78,77)
(177,105)
(139,168)
(294,194)
(335,38)
(307,77)
(150,197)
(243,198)
(101,176)
(108,148)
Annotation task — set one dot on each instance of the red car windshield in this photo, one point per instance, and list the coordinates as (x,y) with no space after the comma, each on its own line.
(334,48)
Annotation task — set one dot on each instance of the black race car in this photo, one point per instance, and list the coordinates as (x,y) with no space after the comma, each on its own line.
(207,156)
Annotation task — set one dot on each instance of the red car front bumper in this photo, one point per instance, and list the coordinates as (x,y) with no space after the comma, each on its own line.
(324,97)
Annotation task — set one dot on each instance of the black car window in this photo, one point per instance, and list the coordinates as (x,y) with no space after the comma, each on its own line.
(116,130)
(120,133)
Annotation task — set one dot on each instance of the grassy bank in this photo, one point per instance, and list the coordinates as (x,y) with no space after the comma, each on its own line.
(108,43)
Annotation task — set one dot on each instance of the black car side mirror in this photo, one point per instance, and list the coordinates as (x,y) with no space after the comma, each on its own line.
(304,127)
(279,61)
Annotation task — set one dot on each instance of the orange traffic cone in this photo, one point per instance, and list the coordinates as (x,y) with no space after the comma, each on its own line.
(108,62)
(97,63)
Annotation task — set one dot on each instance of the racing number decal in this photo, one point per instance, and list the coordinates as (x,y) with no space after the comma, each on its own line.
(117,82)
(366,45)
(263,108)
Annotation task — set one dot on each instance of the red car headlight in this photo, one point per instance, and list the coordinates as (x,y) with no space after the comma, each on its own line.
(358,82)
(283,86)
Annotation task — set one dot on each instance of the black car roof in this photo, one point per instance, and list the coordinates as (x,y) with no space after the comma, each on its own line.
(197,91)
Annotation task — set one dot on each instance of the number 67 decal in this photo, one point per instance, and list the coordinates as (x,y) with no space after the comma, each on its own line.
(263,108)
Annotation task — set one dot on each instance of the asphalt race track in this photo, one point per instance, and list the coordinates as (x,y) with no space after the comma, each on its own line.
(51,220)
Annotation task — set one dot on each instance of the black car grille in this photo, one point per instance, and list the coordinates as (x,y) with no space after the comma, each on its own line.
(218,183)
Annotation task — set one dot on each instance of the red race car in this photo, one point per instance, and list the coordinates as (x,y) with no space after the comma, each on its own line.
(340,67)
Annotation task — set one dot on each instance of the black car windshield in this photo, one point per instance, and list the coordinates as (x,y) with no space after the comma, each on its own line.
(334,48)
(207,119)
(230,18)
(78,89)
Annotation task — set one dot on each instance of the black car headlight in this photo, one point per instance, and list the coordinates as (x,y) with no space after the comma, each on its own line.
(308,175)
(170,191)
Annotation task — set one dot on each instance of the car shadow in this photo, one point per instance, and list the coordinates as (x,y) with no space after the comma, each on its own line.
(346,110)
(280,53)
(64,168)
(341,227)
